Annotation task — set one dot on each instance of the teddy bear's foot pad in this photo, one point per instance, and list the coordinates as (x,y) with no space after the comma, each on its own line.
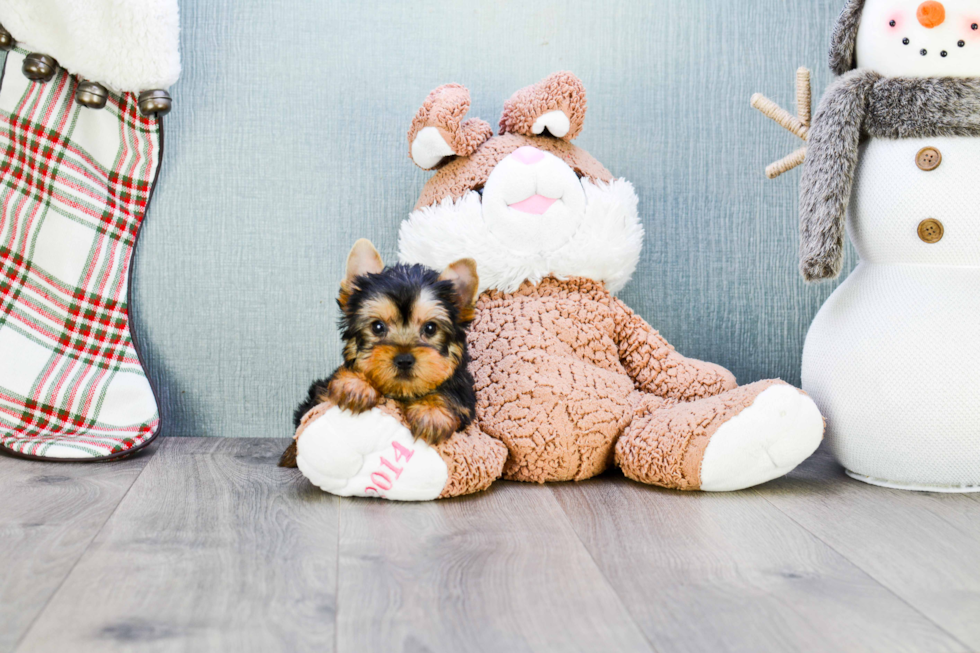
(369,455)
(766,440)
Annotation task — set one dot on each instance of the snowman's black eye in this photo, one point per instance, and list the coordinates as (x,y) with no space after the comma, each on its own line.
(943,54)
(974,27)
(923,52)
(905,41)
(961,43)
(891,23)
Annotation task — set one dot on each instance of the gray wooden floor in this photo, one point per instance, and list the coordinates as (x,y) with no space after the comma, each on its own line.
(205,545)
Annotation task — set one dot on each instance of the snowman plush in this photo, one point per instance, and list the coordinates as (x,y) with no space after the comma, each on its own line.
(893,356)
(569,380)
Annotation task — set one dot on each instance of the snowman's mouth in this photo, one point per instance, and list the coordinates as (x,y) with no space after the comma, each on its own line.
(535,204)
(925,52)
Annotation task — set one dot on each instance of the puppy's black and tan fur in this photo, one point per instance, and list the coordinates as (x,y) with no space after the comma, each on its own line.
(404,332)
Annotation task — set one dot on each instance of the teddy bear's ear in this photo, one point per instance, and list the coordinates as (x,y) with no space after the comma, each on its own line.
(439,130)
(556,104)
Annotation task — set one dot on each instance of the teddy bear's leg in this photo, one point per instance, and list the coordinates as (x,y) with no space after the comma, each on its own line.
(474,460)
(734,440)
(559,416)
(374,455)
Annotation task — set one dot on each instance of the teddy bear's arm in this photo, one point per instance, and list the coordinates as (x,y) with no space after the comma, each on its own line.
(657,368)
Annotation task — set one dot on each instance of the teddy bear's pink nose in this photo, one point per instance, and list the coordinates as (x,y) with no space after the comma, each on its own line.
(528,155)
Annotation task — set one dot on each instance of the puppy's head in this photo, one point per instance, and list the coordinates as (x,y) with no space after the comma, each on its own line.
(404,326)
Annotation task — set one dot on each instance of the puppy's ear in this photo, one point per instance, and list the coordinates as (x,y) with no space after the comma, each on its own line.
(463,276)
(363,259)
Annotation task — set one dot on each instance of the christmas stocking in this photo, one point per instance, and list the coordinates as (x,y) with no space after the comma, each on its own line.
(78,162)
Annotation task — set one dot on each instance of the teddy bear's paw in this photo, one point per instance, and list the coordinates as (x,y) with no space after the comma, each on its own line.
(369,455)
(766,440)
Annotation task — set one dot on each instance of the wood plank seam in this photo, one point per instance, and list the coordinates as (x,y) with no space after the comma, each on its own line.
(238,546)
(595,564)
(146,452)
(864,571)
(336,587)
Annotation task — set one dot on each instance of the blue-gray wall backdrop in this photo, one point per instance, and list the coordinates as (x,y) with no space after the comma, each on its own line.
(287,142)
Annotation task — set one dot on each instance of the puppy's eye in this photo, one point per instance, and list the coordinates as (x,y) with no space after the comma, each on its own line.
(429,329)
(378,328)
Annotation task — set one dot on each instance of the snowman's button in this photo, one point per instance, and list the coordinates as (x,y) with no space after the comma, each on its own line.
(928,159)
(931,231)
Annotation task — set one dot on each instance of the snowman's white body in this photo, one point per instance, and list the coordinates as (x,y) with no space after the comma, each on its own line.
(893,357)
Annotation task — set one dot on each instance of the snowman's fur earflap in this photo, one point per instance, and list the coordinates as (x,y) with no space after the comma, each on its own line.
(864,103)
(843,43)
(605,248)
(828,174)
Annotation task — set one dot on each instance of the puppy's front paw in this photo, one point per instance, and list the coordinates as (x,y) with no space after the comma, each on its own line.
(431,421)
(352,392)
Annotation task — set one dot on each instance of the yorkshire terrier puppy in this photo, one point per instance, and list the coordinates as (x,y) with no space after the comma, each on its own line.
(404,332)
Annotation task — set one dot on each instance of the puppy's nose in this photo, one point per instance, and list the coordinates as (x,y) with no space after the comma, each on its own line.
(931,14)
(404,362)
(528,155)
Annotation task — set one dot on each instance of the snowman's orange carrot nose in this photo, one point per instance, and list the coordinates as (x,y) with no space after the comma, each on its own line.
(931,14)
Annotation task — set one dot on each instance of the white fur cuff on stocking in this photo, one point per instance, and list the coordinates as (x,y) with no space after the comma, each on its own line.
(126,45)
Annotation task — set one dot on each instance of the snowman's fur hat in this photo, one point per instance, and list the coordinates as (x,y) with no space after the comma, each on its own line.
(843,43)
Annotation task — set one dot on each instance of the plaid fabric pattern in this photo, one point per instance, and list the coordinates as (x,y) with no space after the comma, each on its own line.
(74,186)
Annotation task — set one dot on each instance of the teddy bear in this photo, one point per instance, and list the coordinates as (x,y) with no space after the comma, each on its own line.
(569,380)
